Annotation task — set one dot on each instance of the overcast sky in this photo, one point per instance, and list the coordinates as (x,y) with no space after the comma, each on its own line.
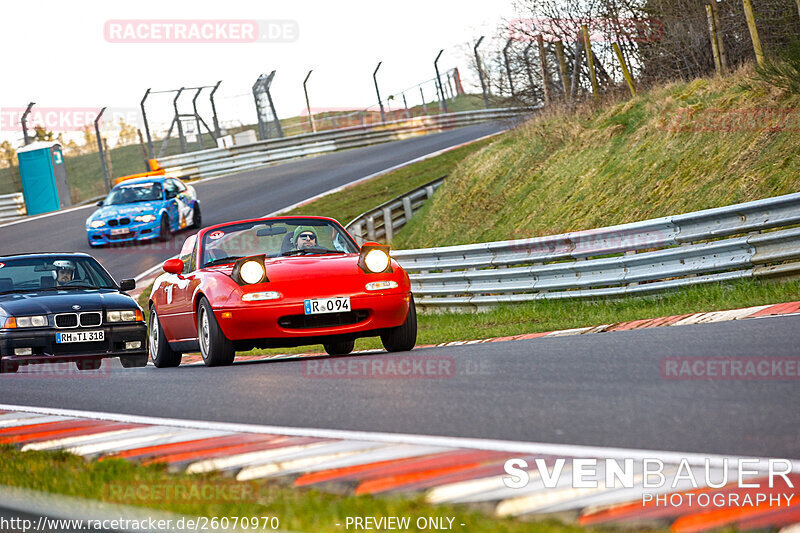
(57,55)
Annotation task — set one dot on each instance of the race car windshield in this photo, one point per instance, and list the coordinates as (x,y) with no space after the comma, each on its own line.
(129,194)
(55,272)
(286,237)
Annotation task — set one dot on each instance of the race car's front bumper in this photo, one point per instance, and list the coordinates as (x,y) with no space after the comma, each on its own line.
(286,320)
(44,348)
(139,232)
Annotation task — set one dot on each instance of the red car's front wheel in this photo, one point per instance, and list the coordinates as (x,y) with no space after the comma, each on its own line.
(216,349)
(403,337)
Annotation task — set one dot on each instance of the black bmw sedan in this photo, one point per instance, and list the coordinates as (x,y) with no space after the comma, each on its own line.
(67,307)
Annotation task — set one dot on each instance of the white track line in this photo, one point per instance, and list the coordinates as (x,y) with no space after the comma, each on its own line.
(45,215)
(530,448)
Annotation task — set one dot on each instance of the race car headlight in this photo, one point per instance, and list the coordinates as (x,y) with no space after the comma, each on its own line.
(249,270)
(97,224)
(260,296)
(381,285)
(28,321)
(252,272)
(376,260)
(144,218)
(128,315)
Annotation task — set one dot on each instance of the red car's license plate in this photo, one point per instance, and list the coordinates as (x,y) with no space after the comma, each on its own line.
(327,305)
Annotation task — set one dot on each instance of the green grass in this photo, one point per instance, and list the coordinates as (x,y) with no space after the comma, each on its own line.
(351,202)
(296,509)
(616,163)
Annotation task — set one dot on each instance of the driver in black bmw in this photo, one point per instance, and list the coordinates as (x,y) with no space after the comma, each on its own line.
(66,307)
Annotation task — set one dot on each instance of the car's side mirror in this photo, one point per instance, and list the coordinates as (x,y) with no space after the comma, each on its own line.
(127,284)
(100,203)
(173,266)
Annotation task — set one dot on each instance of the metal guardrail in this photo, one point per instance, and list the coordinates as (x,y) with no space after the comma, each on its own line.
(12,206)
(220,161)
(381,222)
(636,258)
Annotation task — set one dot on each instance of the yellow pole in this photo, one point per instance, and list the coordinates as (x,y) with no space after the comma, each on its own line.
(712,29)
(562,66)
(751,24)
(590,58)
(723,57)
(625,71)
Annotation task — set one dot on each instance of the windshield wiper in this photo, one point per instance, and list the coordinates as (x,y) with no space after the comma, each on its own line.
(312,251)
(221,260)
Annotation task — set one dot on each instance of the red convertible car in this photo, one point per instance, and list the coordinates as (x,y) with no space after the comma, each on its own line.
(278,282)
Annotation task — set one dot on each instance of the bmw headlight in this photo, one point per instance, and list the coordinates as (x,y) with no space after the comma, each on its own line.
(376,260)
(127,315)
(251,271)
(31,321)
(97,224)
(144,218)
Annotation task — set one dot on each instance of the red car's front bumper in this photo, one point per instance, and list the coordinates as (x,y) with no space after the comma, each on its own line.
(285,319)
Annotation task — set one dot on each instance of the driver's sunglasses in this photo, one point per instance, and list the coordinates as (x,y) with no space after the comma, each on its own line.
(308,236)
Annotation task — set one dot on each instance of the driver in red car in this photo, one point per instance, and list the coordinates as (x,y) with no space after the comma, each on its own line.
(304,237)
(65,271)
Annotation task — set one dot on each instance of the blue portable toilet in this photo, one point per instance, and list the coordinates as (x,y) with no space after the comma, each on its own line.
(44,177)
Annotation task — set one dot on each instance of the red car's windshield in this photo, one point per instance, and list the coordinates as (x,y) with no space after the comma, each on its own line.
(294,236)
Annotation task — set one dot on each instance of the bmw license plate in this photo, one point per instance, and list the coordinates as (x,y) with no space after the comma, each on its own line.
(327,305)
(120,231)
(80,336)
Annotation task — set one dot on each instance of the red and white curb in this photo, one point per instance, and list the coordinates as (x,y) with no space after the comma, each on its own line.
(445,469)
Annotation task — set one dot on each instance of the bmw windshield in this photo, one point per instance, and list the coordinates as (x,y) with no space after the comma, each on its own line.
(52,273)
(139,192)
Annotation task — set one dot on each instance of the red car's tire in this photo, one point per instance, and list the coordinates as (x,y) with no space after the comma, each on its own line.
(339,348)
(403,337)
(160,352)
(215,347)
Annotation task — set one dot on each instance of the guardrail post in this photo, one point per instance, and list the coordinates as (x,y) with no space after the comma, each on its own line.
(356,233)
(371,228)
(407,208)
(388,229)
(429,191)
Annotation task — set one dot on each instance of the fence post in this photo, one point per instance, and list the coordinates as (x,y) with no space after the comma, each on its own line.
(562,68)
(24,122)
(100,148)
(576,67)
(590,59)
(712,29)
(443,101)
(625,71)
(480,72)
(388,229)
(751,25)
(543,64)
(308,105)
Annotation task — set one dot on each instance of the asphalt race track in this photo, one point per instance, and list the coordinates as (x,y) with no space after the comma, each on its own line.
(603,390)
(245,195)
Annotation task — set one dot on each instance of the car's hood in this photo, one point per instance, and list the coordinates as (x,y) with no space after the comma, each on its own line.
(296,268)
(62,301)
(129,210)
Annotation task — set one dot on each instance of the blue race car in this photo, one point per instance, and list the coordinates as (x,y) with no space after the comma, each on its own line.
(143,209)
